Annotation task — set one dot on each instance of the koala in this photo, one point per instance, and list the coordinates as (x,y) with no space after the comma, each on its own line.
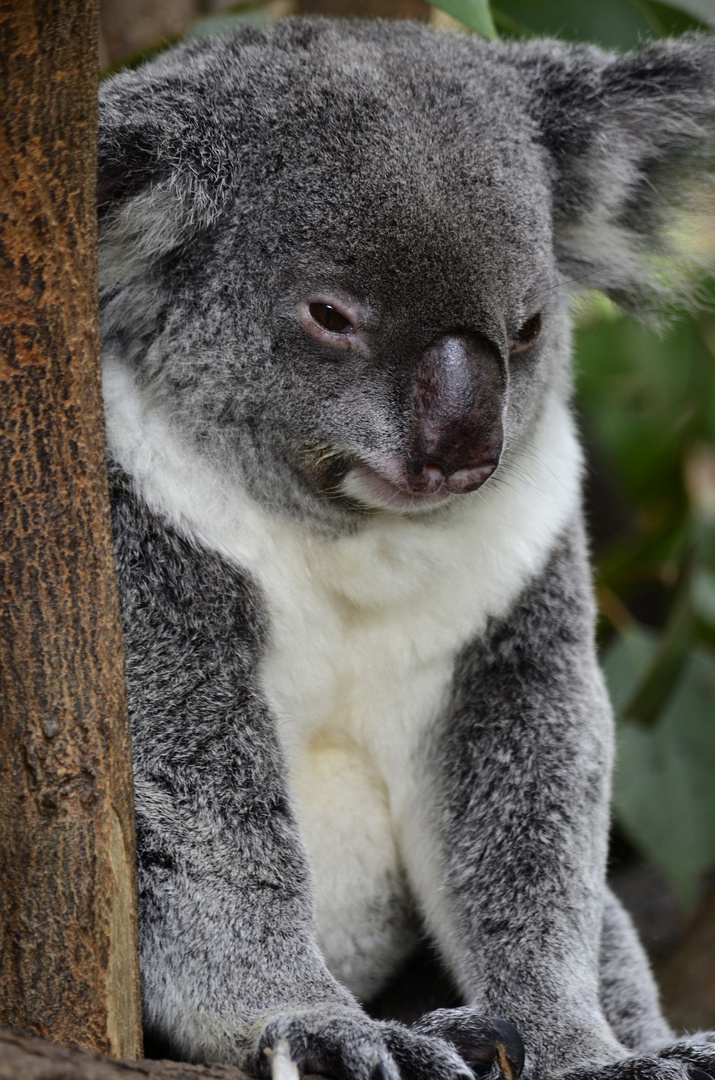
(336,265)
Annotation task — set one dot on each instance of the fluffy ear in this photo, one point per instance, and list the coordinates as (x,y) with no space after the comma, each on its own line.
(163,168)
(631,149)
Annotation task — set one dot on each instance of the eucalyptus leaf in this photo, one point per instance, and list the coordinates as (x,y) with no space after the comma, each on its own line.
(510,26)
(704,596)
(664,794)
(613,23)
(473,13)
(224,22)
(627,662)
(703,10)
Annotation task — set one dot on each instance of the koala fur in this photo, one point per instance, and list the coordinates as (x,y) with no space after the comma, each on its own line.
(336,260)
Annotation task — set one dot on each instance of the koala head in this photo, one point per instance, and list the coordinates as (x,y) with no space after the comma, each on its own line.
(338,254)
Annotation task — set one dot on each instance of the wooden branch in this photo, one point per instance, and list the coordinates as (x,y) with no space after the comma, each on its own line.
(23,1057)
(68,925)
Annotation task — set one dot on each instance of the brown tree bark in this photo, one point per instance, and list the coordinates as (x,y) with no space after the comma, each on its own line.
(68,917)
(26,1058)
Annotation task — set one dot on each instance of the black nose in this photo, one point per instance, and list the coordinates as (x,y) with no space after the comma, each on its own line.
(456,436)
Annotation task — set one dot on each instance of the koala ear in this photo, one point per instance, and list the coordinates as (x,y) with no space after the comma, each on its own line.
(162,169)
(631,144)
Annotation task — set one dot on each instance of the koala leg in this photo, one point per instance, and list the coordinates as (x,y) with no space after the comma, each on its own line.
(629,995)
(505,845)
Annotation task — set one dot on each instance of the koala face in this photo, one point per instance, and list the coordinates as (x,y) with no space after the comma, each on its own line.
(336,255)
(406,331)
(412,322)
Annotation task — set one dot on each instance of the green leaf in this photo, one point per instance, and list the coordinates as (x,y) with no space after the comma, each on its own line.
(704,596)
(666,19)
(704,10)
(473,13)
(510,26)
(627,662)
(612,23)
(225,22)
(673,648)
(664,795)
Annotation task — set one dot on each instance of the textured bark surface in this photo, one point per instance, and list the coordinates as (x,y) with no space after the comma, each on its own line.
(26,1058)
(67,926)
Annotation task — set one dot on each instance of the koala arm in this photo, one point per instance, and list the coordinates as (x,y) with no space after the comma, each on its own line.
(216,834)
(514,799)
(518,778)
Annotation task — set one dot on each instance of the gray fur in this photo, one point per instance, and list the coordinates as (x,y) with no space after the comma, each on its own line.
(444,189)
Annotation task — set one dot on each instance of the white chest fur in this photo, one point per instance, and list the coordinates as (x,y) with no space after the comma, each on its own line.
(364,633)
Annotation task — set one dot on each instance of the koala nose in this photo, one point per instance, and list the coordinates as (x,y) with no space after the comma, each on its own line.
(455,437)
(428,478)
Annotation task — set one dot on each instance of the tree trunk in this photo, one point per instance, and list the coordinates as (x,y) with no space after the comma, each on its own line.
(68,966)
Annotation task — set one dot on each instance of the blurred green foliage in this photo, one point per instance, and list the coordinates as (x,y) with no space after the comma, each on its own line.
(647,404)
(476,14)
(618,24)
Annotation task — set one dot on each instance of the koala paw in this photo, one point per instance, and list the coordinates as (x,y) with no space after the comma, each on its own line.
(490,1046)
(696,1052)
(350,1046)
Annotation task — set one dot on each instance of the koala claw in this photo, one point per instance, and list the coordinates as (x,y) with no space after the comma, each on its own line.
(348,1045)
(381,1073)
(508,1049)
(696,1053)
(282,1065)
(486,1043)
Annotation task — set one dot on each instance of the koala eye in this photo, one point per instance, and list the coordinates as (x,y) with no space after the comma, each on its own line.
(329,318)
(526,333)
